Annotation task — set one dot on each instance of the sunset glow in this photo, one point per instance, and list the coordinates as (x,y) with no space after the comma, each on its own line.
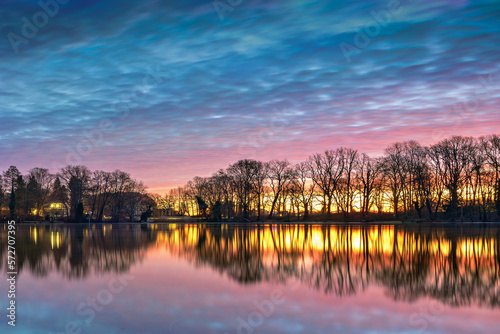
(168,91)
(248,166)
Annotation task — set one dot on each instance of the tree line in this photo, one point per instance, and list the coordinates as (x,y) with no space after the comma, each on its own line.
(454,179)
(76,188)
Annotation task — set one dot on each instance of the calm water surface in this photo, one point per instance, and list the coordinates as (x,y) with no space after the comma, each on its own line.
(168,278)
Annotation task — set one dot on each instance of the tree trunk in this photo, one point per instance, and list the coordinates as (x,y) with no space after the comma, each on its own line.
(272,206)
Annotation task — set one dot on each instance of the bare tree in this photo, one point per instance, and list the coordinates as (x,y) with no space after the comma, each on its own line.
(491,148)
(243,175)
(368,170)
(304,186)
(279,175)
(135,199)
(119,187)
(394,168)
(326,170)
(344,193)
(417,188)
(100,192)
(454,154)
(76,179)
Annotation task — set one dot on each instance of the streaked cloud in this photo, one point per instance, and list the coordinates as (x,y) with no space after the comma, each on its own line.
(223,81)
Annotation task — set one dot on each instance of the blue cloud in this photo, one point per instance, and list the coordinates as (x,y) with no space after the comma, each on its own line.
(177,82)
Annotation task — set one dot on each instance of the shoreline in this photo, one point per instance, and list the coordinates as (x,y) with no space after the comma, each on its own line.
(253,223)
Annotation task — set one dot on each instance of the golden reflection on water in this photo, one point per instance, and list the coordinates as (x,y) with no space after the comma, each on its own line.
(55,239)
(455,264)
(313,240)
(336,239)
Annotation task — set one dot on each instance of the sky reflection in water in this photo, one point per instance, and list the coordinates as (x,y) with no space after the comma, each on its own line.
(224,278)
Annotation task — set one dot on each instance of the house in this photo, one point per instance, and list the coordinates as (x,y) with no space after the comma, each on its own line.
(158,213)
(56,209)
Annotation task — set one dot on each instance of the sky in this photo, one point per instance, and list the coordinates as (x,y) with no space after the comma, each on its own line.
(169,90)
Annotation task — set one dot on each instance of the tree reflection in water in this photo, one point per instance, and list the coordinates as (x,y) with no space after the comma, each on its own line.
(457,265)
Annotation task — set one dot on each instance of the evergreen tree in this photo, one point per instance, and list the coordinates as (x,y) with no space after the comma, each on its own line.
(2,193)
(79,215)
(12,203)
(32,194)
(10,177)
(20,192)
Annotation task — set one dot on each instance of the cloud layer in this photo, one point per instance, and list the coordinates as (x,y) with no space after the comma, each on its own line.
(168,89)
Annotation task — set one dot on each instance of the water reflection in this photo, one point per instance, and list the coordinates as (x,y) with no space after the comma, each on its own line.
(455,265)
(76,251)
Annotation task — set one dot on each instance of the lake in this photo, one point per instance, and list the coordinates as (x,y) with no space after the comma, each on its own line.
(255,278)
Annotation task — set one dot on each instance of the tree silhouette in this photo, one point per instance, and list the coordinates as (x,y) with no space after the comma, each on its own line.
(454,179)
